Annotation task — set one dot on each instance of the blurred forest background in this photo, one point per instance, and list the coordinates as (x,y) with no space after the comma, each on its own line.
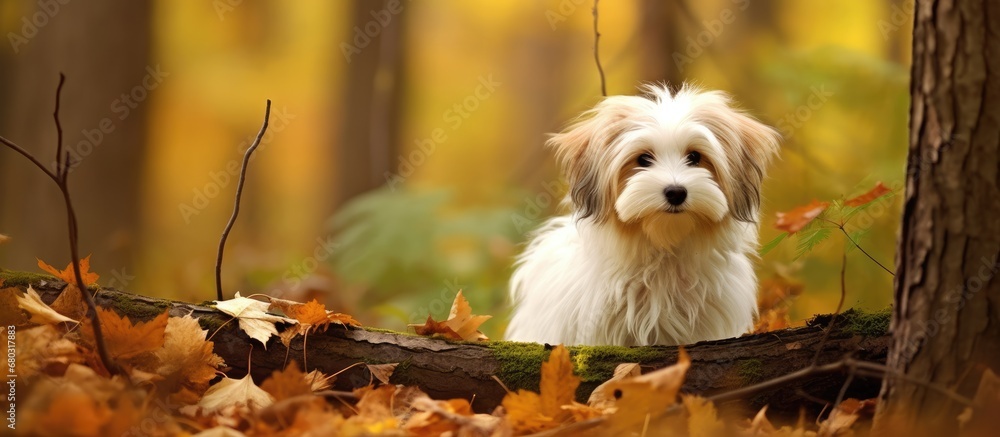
(404,159)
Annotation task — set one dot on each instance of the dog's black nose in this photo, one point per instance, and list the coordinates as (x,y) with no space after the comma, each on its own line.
(675,194)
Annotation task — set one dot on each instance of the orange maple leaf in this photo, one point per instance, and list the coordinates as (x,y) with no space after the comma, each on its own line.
(878,191)
(796,219)
(68,275)
(461,323)
(311,315)
(123,338)
(528,411)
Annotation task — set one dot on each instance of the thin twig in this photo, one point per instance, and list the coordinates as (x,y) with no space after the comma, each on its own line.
(866,253)
(239,194)
(841,227)
(55,115)
(597,55)
(60,175)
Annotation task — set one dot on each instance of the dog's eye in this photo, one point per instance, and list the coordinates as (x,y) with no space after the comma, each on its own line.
(644,160)
(694,158)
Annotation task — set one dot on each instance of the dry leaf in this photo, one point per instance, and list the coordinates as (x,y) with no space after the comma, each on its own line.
(843,417)
(796,219)
(453,416)
(10,309)
(68,275)
(319,381)
(648,394)
(42,349)
(980,420)
(4,238)
(603,397)
(253,317)
(703,419)
(288,383)
(533,412)
(70,302)
(382,372)
(186,358)
(772,320)
(40,313)
(124,339)
(878,191)
(312,315)
(234,393)
(461,323)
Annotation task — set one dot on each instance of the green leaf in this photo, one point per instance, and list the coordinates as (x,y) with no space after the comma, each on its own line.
(810,239)
(772,244)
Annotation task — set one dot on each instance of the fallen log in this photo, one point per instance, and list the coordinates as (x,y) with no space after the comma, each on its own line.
(447,369)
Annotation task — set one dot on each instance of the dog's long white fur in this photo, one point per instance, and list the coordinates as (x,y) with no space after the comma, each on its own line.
(621,269)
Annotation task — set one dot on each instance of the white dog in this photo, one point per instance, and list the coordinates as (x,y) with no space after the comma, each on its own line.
(664,193)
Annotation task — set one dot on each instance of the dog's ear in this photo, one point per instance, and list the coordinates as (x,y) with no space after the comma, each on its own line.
(749,148)
(758,145)
(579,149)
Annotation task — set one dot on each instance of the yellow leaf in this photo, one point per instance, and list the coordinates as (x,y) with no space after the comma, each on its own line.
(68,275)
(531,412)
(648,395)
(703,419)
(4,238)
(186,358)
(603,397)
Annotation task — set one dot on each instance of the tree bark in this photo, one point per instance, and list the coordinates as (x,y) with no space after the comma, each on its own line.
(947,301)
(448,370)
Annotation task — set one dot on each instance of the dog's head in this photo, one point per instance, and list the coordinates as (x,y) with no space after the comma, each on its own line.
(667,163)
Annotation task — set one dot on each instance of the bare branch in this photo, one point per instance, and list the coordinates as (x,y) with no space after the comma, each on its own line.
(59,131)
(239,195)
(597,55)
(60,175)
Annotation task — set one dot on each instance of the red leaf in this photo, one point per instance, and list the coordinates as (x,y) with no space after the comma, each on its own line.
(879,191)
(796,219)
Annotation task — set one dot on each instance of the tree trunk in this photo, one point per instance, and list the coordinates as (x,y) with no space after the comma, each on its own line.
(368,142)
(947,310)
(103,48)
(448,370)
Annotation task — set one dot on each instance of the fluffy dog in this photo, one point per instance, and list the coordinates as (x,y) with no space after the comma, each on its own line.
(658,245)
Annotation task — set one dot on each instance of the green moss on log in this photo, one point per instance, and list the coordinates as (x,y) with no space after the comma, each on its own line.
(23,279)
(751,371)
(137,309)
(867,324)
(520,363)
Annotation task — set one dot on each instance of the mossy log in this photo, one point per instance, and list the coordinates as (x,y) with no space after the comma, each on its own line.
(447,369)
